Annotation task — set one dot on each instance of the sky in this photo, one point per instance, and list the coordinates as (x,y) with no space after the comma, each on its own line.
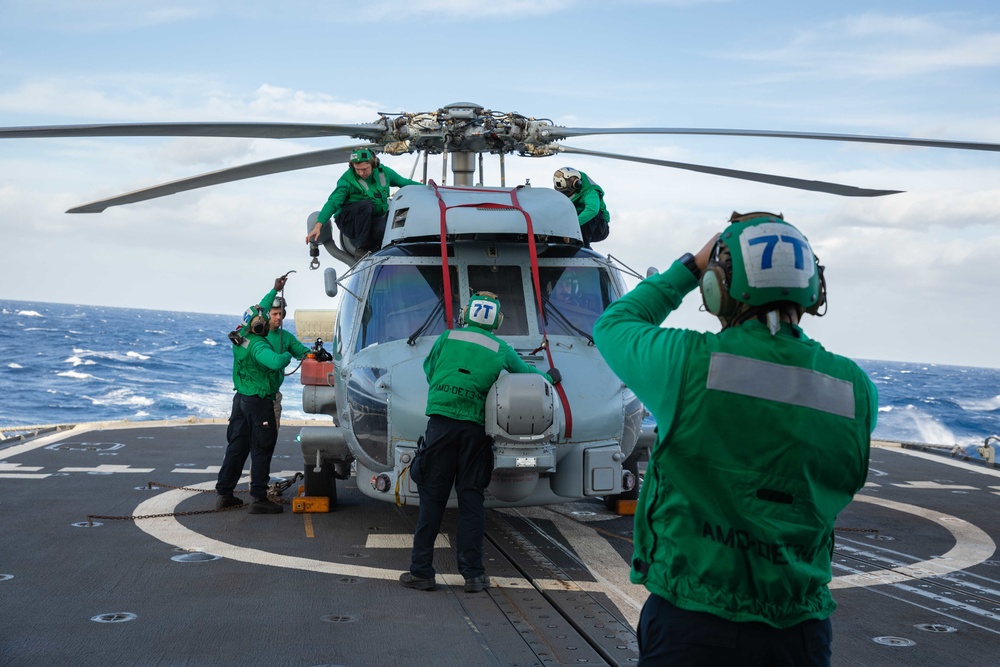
(911,277)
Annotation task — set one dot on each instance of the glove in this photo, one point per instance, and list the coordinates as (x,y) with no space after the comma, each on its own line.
(279,283)
(555,375)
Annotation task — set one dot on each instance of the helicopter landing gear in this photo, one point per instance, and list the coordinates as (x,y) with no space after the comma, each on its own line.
(624,502)
(323,483)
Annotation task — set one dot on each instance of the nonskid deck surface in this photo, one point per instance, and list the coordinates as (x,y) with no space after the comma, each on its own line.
(914,571)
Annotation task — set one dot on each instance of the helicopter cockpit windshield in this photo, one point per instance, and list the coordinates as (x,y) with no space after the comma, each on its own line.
(507,282)
(405,300)
(574,298)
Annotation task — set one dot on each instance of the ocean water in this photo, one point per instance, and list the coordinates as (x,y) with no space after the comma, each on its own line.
(65,364)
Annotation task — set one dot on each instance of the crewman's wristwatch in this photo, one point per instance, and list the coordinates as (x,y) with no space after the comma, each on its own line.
(687,259)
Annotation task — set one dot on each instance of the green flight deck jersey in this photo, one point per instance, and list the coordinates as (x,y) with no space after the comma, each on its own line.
(282,340)
(257,368)
(351,188)
(761,441)
(589,200)
(461,368)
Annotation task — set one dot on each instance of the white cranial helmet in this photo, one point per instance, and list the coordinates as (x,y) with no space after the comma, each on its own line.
(566,180)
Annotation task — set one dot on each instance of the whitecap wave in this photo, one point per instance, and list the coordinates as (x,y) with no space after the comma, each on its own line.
(121,397)
(210,404)
(208,341)
(885,408)
(76,375)
(931,431)
(14,364)
(981,405)
(29,313)
(84,354)
(77,361)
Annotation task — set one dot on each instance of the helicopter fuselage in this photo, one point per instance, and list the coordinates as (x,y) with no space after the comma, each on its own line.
(393,308)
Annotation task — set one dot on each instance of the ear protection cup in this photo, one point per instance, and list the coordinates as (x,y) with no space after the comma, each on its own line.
(821,301)
(259,325)
(256,321)
(714,286)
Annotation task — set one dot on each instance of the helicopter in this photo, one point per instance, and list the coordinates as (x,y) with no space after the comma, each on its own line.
(580,438)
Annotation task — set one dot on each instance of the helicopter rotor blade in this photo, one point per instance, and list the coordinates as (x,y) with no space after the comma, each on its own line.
(566,132)
(369,131)
(274,166)
(785,181)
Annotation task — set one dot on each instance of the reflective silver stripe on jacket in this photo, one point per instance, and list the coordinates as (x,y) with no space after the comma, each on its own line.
(477,338)
(364,184)
(784,384)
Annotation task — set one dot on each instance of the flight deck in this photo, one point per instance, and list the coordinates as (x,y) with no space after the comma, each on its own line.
(113,555)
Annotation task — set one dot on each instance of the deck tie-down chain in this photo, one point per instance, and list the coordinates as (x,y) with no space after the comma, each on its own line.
(274,491)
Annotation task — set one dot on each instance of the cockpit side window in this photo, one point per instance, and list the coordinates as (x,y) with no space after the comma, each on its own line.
(506,282)
(574,297)
(405,300)
(346,316)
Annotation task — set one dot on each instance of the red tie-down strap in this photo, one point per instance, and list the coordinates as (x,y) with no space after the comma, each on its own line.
(533,254)
(536,282)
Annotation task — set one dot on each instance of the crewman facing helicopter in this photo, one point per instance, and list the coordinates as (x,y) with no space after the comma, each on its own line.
(460,369)
(360,202)
(764,437)
(588,198)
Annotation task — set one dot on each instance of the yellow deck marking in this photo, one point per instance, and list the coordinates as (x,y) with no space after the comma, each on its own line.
(307,519)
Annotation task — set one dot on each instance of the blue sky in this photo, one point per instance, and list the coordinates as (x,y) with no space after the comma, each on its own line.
(911,276)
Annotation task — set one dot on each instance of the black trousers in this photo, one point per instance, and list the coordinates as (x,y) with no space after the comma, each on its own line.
(458,455)
(359,223)
(669,635)
(595,230)
(252,432)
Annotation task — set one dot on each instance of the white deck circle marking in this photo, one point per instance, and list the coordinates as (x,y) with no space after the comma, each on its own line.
(972,547)
(172,532)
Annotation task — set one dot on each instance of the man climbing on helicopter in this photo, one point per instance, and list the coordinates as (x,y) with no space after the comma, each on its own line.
(461,367)
(588,199)
(360,202)
(763,437)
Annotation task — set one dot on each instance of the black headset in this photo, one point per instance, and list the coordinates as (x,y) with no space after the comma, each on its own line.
(260,323)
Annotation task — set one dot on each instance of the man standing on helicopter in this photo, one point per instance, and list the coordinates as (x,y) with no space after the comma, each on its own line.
(360,202)
(460,369)
(763,437)
(588,198)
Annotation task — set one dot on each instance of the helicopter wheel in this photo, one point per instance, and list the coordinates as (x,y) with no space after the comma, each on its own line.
(322,483)
(632,465)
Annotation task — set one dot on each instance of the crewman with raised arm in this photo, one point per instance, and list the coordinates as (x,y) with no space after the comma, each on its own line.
(762,438)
